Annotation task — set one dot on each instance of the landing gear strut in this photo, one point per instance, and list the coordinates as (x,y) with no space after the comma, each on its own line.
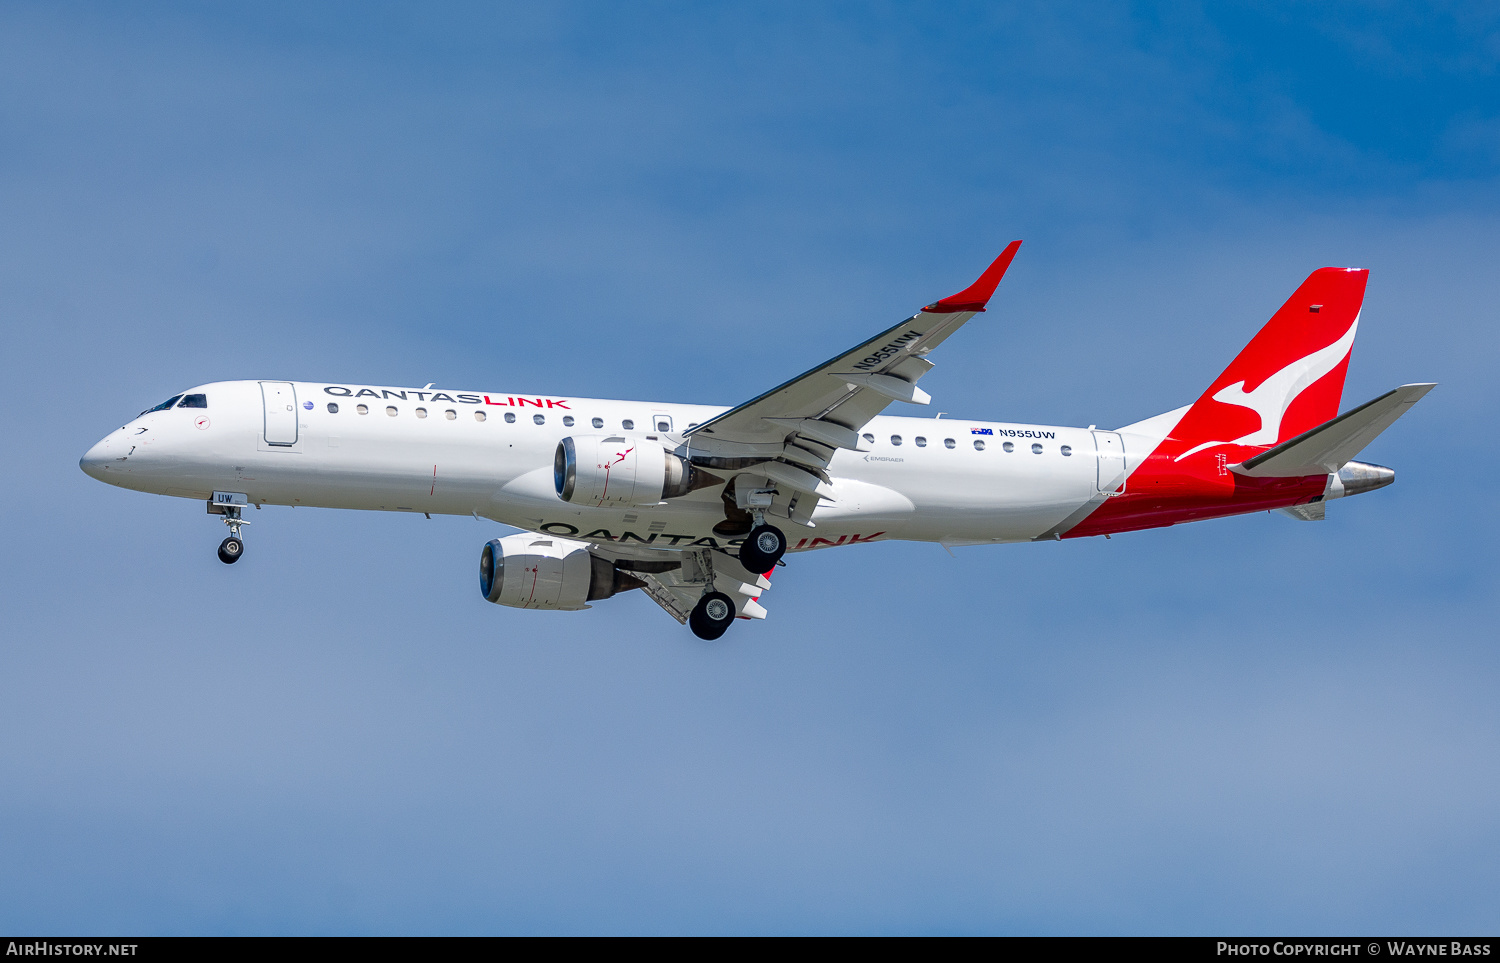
(764,544)
(712,616)
(232,547)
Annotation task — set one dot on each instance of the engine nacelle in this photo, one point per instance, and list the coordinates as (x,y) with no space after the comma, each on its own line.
(618,472)
(546,572)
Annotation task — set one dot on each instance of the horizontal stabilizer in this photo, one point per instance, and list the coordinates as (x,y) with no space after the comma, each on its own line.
(1331,445)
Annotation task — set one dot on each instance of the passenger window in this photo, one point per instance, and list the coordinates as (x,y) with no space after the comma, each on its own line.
(362,409)
(421,412)
(1008,446)
(333,407)
(869,438)
(1036,449)
(979,444)
(390,410)
(510,417)
(450,414)
(598,422)
(692,425)
(921,442)
(164,405)
(567,421)
(478,416)
(663,423)
(1066,450)
(194,401)
(628,424)
(896,440)
(949,443)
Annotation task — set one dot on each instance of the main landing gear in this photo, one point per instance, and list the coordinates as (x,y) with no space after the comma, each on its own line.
(759,553)
(762,548)
(764,544)
(712,616)
(745,512)
(714,613)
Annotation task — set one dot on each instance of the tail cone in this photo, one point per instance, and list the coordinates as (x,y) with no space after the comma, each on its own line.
(1359,477)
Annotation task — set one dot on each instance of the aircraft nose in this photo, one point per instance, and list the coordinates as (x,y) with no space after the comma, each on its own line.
(94,461)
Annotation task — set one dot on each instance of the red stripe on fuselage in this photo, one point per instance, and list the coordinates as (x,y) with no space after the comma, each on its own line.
(1162,492)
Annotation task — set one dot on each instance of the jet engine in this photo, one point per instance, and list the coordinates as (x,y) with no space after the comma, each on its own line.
(617,472)
(532,571)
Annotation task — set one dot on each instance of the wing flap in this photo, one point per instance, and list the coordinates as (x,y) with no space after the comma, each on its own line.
(677,590)
(831,434)
(894,388)
(793,477)
(666,598)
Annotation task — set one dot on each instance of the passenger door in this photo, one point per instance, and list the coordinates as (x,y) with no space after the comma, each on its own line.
(280,400)
(1110,448)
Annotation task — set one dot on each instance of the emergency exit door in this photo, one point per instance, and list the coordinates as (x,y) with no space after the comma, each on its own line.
(1110,448)
(280,400)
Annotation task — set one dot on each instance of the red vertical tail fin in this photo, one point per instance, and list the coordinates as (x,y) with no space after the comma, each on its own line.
(1287,380)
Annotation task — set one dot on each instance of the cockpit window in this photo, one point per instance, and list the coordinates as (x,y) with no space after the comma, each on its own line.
(163,406)
(194,401)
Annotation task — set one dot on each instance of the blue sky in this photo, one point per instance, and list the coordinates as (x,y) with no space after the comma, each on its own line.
(1247,726)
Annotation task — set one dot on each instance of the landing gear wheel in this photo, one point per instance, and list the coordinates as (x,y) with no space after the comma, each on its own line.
(230,550)
(763,548)
(712,616)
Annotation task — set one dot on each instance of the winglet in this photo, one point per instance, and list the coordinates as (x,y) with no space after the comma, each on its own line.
(977,295)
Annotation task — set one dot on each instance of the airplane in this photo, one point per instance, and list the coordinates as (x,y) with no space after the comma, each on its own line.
(696,505)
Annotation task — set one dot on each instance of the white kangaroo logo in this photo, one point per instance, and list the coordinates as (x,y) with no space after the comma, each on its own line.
(1271,400)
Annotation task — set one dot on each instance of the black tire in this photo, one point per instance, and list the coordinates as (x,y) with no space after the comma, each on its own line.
(702,621)
(762,549)
(230,550)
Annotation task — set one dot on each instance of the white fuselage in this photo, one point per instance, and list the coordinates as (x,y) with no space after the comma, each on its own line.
(457,453)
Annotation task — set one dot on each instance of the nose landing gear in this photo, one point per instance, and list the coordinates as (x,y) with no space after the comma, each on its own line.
(228,504)
(232,547)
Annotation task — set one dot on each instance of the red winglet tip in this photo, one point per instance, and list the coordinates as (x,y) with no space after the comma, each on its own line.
(977,295)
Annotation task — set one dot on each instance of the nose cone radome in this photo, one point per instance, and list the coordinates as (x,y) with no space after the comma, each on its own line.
(96,460)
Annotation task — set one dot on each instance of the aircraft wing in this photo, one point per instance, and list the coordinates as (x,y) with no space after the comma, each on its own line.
(808,418)
(786,437)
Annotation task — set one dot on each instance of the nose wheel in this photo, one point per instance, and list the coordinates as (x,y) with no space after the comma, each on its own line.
(230,550)
(232,547)
(762,548)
